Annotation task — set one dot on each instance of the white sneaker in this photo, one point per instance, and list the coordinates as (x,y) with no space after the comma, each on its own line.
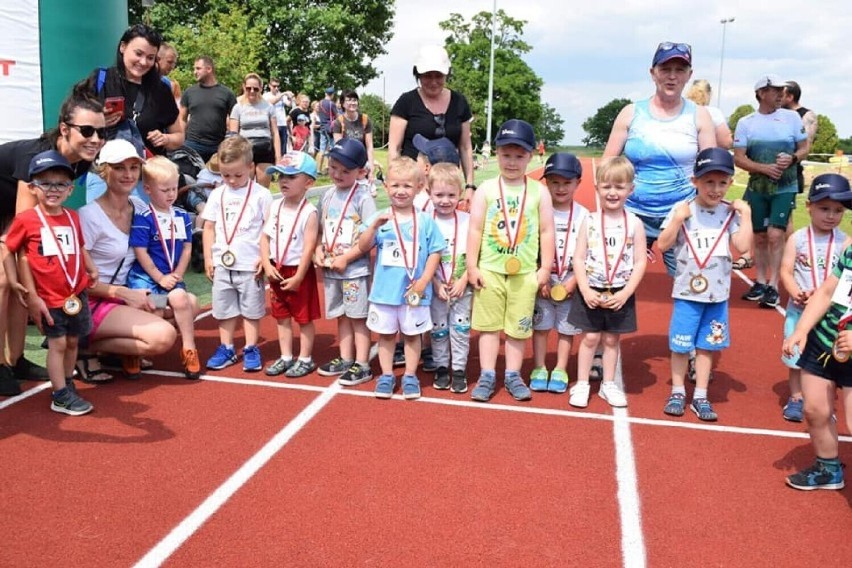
(579,395)
(612,393)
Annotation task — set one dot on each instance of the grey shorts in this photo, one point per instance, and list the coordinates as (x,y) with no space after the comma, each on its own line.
(64,325)
(549,315)
(348,297)
(238,293)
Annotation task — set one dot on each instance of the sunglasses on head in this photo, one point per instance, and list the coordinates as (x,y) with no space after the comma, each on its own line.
(253,89)
(440,122)
(679,47)
(87,130)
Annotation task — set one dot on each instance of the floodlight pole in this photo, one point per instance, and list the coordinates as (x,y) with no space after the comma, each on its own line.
(490,104)
(724,22)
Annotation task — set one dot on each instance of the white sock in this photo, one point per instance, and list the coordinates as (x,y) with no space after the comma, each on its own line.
(679,390)
(699,393)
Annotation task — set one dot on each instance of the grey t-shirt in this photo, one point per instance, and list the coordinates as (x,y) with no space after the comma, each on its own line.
(254,119)
(208,108)
(347,223)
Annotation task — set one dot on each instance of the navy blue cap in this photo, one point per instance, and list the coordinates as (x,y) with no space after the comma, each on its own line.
(563,164)
(831,186)
(329,91)
(349,152)
(515,131)
(668,50)
(438,150)
(49,160)
(714,160)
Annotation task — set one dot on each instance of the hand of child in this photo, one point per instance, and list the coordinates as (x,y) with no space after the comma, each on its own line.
(795,343)
(443,291)
(291,284)
(542,276)
(339,264)
(458,287)
(272,272)
(21,292)
(419,287)
(544,291)
(616,301)
(208,269)
(683,211)
(168,282)
(475,278)
(592,298)
(258,270)
(38,310)
(800,299)
(741,207)
(381,219)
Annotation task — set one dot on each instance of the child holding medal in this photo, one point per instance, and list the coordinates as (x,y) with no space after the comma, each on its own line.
(161,238)
(409,247)
(286,248)
(809,256)
(60,270)
(562,174)
(701,232)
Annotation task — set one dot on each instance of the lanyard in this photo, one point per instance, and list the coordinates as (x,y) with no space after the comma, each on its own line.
(413,269)
(813,259)
(447,279)
(563,264)
(513,239)
(63,259)
(282,255)
(239,217)
(610,276)
(330,246)
(169,252)
(702,263)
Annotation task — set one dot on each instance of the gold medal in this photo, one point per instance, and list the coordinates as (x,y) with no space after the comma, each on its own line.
(327,262)
(73,305)
(698,284)
(605,296)
(513,265)
(839,356)
(228,259)
(412,298)
(558,293)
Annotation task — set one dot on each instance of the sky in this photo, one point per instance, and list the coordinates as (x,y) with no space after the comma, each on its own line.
(588,53)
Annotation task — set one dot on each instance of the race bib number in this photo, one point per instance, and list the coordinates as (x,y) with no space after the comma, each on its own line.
(65,238)
(392,254)
(345,233)
(166,228)
(843,291)
(703,240)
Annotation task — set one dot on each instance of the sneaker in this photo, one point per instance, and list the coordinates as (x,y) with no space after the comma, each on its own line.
(755,293)
(8,384)
(770,298)
(703,409)
(69,402)
(459,384)
(191,364)
(399,355)
(280,366)
(485,387)
(516,387)
(355,375)
(579,395)
(428,362)
(132,366)
(612,393)
(538,379)
(300,369)
(384,386)
(26,370)
(252,361)
(596,371)
(336,366)
(676,405)
(410,387)
(558,381)
(794,410)
(442,379)
(817,477)
(223,357)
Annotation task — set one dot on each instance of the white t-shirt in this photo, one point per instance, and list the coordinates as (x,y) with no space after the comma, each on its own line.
(283,219)
(244,230)
(107,244)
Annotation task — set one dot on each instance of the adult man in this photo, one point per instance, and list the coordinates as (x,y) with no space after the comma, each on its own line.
(204,109)
(767,144)
(792,93)
(327,113)
(167,61)
(282,101)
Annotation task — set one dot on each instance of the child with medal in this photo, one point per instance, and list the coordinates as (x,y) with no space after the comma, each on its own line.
(408,251)
(611,246)
(810,254)
(233,222)
(562,174)
(511,226)
(59,272)
(161,238)
(701,232)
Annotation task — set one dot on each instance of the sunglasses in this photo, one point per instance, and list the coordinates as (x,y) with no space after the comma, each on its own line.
(58,187)
(87,130)
(440,122)
(253,89)
(678,47)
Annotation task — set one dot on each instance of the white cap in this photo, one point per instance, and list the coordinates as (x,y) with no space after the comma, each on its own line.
(769,81)
(432,58)
(116,151)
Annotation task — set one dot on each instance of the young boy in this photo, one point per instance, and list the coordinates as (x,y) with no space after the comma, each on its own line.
(452,299)
(409,247)
(701,232)
(61,270)
(234,219)
(562,175)
(511,225)
(161,237)
(810,254)
(342,211)
(611,246)
(286,247)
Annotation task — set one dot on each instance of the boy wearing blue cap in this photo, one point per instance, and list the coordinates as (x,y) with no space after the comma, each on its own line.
(286,248)
(701,232)
(562,174)
(810,254)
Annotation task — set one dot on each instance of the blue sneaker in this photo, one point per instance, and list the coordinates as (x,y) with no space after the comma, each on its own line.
(558,381)
(223,357)
(251,359)
(485,387)
(384,386)
(410,387)
(818,476)
(703,409)
(516,387)
(794,410)
(538,379)
(676,404)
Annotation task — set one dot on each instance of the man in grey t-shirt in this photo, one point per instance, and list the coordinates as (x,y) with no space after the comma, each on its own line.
(205,108)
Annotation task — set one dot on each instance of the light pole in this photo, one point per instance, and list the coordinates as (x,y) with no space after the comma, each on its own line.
(724,22)
(490,104)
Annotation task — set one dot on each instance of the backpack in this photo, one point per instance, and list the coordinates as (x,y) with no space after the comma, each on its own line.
(342,120)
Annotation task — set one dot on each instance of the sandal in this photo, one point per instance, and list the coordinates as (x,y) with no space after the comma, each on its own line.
(742,263)
(91,376)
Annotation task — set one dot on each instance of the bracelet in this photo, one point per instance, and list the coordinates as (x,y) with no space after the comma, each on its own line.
(470,186)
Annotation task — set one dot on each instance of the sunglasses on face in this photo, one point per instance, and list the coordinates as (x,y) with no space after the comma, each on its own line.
(253,89)
(58,187)
(87,130)
(678,47)
(440,122)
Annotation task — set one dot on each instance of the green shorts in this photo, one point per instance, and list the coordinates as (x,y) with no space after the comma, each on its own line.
(506,304)
(769,210)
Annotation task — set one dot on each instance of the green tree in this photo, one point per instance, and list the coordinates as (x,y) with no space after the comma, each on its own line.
(549,127)
(599,125)
(741,111)
(845,144)
(379,113)
(517,89)
(825,141)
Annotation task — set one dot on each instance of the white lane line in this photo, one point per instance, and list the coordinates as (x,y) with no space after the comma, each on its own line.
(166,547)
(629,504)
(24,395)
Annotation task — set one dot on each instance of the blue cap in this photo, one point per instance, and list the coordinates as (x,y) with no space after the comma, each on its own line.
(329,91)
(669,50)
(438,150)
(349,152)
(563,164)
(831,186)
(294,163)
(515,131)
(713,160)
(49,160)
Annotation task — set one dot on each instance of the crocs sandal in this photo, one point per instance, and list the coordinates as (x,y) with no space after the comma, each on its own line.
(742,263)
(91,376)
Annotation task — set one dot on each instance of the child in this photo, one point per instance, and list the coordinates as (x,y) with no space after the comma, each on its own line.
(611,245)
(286,248)
(700,231)
(452,299)
(809,256)
(161,237)
(511,224)
(409,247)
(234,219)
(562,175)
(61,270)
(825,341)
(346,270)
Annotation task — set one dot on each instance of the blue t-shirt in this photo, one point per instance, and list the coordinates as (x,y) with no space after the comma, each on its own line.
(391,280)
(144,233)
(764,136)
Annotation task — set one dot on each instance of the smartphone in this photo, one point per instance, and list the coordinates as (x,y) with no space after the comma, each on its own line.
(159,301)
(114,104)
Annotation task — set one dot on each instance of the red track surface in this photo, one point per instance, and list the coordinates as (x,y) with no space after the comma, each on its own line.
(440,482)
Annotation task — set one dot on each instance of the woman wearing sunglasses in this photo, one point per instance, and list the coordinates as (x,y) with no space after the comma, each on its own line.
(254,118)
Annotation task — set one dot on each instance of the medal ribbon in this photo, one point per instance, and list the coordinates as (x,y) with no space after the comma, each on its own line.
(239,218)
(63,259)
(611,275)
(702,263)
(330,246)
(513,239)
(282,255)
(452,250)
(170,256)
(562,266)
(413,269)
(812,253)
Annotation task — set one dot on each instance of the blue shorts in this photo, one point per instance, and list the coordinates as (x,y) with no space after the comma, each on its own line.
(698,325)
(142,281)
(790,321)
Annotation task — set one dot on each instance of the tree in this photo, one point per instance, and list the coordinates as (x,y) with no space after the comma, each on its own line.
(825,141)
(549,127)
(379,113)
(517,89)
(741,111)
(599,125)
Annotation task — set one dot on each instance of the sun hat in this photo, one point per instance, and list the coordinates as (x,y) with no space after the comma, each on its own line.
(432,58)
